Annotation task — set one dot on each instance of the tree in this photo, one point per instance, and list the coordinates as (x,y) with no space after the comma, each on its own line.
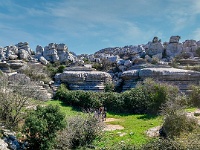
(42,125)
(15,94)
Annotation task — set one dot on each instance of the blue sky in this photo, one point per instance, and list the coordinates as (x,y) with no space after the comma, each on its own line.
(86,26)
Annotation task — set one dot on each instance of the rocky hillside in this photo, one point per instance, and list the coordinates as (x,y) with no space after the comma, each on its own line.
(122,66)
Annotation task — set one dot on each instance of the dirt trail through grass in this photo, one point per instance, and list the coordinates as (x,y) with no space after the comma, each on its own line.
(110,127)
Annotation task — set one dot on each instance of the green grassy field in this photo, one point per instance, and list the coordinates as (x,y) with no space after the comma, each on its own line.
(134,132)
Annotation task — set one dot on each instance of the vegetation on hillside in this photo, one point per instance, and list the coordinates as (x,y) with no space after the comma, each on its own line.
(148,105)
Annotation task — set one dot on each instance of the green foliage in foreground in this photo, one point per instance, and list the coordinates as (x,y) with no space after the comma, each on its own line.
(145,98)
(134,132)
(42,125)
(135,127)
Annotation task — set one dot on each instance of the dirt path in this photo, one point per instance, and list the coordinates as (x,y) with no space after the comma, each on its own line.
(110,127)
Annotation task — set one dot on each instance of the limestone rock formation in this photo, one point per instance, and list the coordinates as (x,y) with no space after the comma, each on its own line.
(84,80)
(54,53)
(174,48)
(179,77)
(155,47)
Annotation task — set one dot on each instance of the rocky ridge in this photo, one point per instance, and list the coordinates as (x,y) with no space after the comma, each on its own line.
(133,63)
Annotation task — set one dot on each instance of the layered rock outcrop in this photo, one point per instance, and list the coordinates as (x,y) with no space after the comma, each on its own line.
(84,79)
(179,77)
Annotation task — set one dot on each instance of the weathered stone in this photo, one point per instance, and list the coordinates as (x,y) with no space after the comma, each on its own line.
(154,48)
(23,54)
(157,56)
(62,47)
(84,80)
(43,60)
(128,63)
(174,39)
(16,65)
(174,49)
(179,77)
(3,145)
(13,57)
(39,51)
(4,66)
(113,59)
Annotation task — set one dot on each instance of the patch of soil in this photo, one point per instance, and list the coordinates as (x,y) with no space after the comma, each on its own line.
(110,127)
(111,119)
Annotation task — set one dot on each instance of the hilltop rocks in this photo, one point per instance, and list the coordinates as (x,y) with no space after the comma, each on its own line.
(54,53)
(155,47)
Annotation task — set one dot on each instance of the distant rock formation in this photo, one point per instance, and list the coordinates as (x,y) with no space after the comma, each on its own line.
(84,79)
(54,53)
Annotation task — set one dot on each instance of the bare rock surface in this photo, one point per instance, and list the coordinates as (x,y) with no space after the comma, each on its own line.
(179,77)
(84,80)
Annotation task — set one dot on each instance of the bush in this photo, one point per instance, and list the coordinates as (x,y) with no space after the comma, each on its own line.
(109,87)
(176,121)
(42,125)
(145,98)
(80,131)
(194,96)
(198,51)
(163,144)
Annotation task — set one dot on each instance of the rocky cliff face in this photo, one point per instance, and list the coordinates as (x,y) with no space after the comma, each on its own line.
(84,79)
(178,77)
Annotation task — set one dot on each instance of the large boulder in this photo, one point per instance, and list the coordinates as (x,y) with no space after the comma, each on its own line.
(155,47)
(39,51)
(3,145)
(23,54)
(43,60)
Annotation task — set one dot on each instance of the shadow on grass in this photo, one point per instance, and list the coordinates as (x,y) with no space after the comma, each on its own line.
(147,117)
(140,116)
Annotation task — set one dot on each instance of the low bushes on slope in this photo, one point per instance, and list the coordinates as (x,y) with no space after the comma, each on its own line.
(145,98)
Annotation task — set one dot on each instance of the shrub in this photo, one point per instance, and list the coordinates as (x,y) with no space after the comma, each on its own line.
(109,87)
(156,94)
(194,96)
(198,51)
(145,98)
(163,144)
(80,131)
(176,121)
(41,126)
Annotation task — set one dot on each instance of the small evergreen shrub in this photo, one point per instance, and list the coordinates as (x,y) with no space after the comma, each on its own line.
(80,131)
(194,96)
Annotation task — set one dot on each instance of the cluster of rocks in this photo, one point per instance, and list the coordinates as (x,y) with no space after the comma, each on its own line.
(147,53)
(54,53)
(10,142)
(18,51)
(127,59)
